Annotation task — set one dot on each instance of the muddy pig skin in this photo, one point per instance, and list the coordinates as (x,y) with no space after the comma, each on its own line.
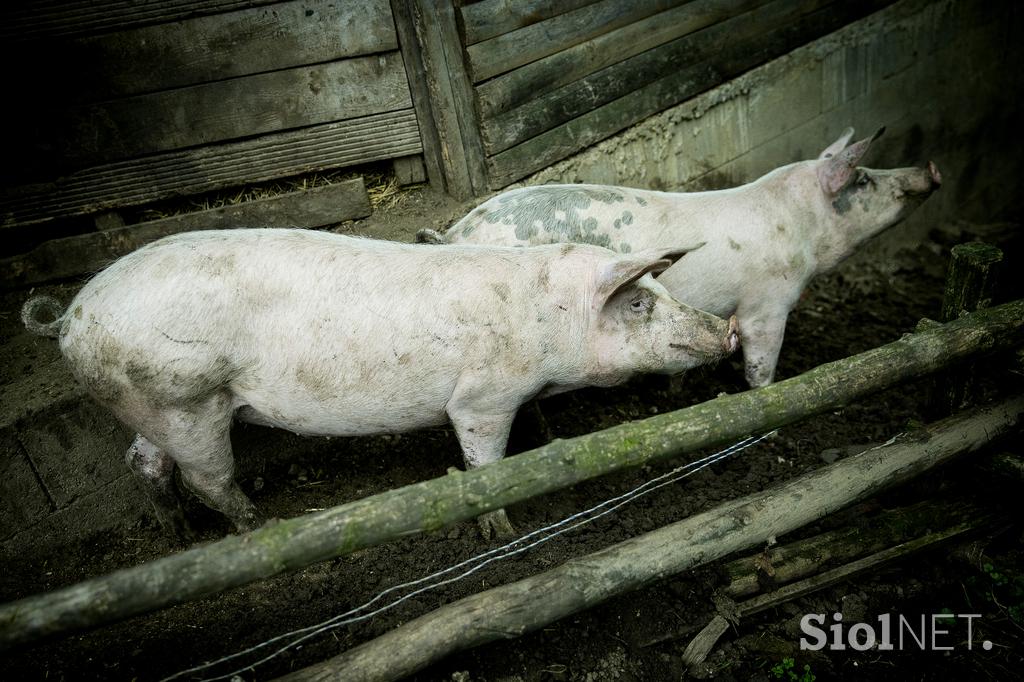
(323,334)
(764,241)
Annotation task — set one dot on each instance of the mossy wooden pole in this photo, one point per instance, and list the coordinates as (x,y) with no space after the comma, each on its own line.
(294,543)
(970,286)
(511,610)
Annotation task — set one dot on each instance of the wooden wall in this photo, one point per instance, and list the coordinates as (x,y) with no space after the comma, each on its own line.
(113,104)
(533,82)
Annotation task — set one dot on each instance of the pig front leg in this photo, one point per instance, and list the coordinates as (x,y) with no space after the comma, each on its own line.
(483,437)
(762,341)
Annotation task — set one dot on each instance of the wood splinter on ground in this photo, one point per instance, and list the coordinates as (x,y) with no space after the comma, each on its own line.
(701,645)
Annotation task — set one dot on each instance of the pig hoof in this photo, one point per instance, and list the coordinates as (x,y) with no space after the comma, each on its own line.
(248,524)
(495,524)
(181,532)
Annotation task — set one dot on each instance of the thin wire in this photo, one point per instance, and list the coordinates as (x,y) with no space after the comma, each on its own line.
(488,557)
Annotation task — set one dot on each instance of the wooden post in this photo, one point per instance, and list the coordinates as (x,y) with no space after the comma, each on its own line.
(431,46)
(514,609)
(294,543)
(970,286)
(409,170)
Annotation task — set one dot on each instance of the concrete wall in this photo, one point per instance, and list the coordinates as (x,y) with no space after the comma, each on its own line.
(943,77)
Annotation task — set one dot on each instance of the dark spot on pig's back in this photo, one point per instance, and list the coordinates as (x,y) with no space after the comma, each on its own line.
(734,245)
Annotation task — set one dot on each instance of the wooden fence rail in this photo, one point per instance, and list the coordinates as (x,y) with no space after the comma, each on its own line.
(531,603)
(294,543)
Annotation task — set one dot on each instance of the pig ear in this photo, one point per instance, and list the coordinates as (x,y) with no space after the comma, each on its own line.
(837,146)
(622,272)
(835,172)
(672,254)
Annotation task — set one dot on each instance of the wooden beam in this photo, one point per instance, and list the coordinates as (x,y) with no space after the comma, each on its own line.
(412,56)
(29,21)
(294,543)
(153,178)
(511,50)
(86,253)
(201,50)
(526,605)
(544,75)
(450,95)
(489,18)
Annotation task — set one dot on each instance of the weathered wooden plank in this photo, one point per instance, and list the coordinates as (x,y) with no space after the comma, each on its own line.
(409,170)
(204,49)
(732,59)
(198,115)
(489,18)
(81,254)
(451,96)
(511,50)
(26,21)
(421,98)
(152,178)
(572,100)
(544,75)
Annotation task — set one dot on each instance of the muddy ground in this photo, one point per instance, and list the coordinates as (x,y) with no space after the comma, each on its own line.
(640,636)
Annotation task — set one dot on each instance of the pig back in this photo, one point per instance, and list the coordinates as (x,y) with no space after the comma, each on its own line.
(305,326)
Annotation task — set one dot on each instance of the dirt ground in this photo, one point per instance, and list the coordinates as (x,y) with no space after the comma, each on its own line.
(640,636)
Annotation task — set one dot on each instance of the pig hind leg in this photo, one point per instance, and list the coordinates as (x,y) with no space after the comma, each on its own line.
(197,439)
(155,469)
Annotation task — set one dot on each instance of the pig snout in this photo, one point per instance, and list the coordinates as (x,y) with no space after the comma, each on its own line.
(919,183)
(732,337)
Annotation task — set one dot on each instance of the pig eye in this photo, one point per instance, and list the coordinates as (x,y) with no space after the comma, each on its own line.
(864,179)
(640,305)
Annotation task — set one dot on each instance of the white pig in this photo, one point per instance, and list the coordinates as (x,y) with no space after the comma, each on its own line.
(764,240)
(323,334)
